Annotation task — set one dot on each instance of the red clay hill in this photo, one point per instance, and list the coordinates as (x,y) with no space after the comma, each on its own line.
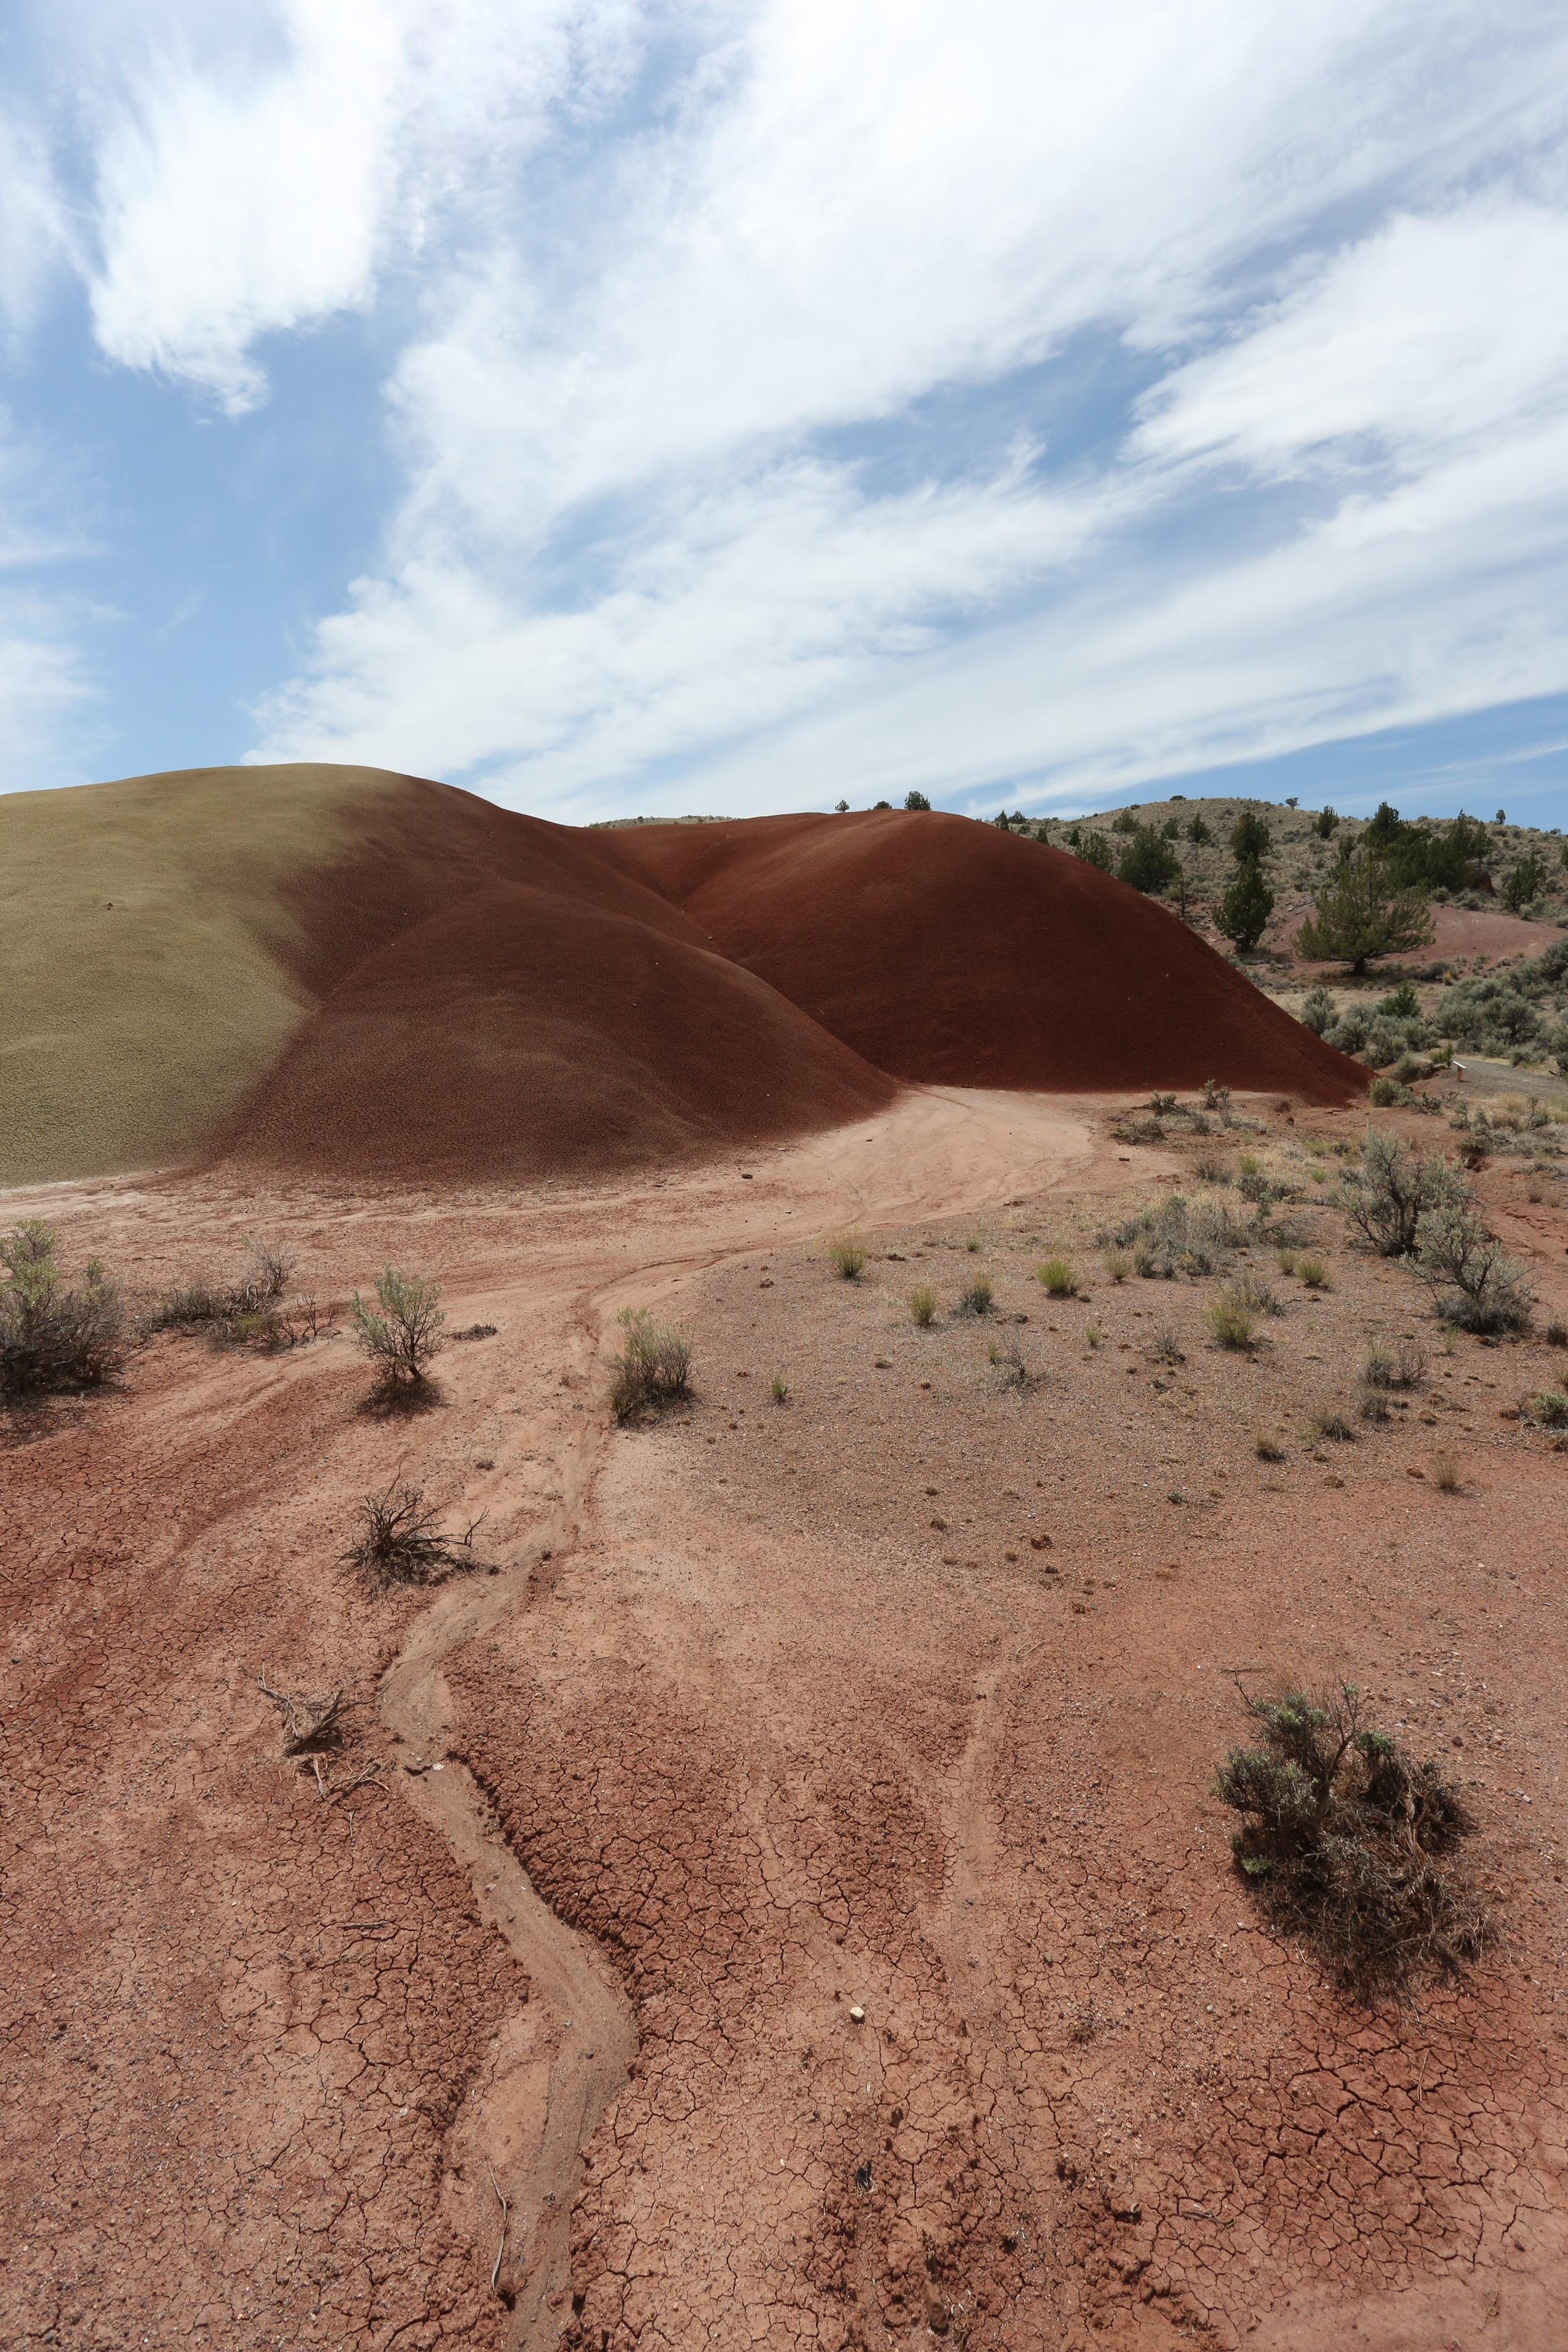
(502,996)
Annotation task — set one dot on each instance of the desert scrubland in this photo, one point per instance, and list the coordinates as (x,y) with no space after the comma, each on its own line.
(762,1881)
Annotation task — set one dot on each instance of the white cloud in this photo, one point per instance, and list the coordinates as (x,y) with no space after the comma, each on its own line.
(35,233)
(730,615)
(688,285)
(868,205)
(235,200)
(1427,336)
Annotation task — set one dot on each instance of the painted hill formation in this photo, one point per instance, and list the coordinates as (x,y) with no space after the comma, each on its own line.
(348,971)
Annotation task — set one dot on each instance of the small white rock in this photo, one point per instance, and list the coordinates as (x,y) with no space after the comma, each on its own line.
(857,2017)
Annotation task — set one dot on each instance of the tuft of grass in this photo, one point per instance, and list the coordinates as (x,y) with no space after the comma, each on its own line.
(1117,1264)
(1213,1168)
(1232,1317)
(1375,1405)
(846,1255)
(972,1242)
(1548,1409)
(1266,1447)
(653,1367)
(1331,1422)
(1349,1843)
(400,1333)
(1056,1277)
(1446,1472)
(977,1297)
(1314,1274)
(778,1388)
(1284,1259)
(1557,1333)
(923,1304)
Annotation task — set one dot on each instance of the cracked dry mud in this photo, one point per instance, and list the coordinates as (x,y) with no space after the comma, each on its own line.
(787,1881)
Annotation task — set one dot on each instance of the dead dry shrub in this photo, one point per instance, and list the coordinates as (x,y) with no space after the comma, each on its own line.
(1446,1475)
(976,1298)
(54,1334)
(400,1542)
(1165,1347)
(1012,1373)
(401,1332)
(1333,1422)
(1266,1444)
(1350,1845)
(1404,1367)
(306,1723)
(653,1367)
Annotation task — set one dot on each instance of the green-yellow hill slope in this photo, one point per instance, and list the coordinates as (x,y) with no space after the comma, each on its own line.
(151,965)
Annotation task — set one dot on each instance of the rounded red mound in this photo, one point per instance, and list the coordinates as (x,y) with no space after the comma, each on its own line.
(527,1031)
(949,953)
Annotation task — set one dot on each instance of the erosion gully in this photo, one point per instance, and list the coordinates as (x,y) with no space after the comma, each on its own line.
(595,2037)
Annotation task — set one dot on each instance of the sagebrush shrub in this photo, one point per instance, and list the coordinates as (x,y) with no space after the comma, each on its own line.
(1351,1844)
(402,1337)
(1473,1281)
(1394,1187)
(53,1334)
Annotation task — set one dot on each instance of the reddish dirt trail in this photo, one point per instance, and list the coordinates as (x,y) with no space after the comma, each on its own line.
(790,1721)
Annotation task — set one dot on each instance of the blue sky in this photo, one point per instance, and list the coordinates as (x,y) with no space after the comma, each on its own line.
(619,407)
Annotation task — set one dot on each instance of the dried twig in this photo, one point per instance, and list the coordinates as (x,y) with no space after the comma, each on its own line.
(357,1783)
(500,2201)
(305,1720)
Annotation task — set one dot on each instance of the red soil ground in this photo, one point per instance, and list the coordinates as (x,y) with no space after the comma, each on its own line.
(503,997)
(778,1732)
